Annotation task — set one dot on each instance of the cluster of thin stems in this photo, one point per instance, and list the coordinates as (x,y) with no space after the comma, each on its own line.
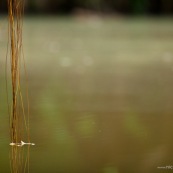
(17,113)
(19,120)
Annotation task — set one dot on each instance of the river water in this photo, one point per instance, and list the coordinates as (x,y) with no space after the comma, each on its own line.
(100,95)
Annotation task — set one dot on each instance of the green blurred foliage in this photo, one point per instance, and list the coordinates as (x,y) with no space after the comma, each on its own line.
(140,6)
(108,6)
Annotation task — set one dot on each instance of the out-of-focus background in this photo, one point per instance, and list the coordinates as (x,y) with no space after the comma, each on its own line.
(100,79)
(133,7)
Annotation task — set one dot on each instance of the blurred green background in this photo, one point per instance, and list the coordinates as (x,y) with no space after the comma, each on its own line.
(100,86)
(132,7)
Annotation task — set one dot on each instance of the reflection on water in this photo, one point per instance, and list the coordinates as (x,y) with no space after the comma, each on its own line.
(19,159)
(100,96)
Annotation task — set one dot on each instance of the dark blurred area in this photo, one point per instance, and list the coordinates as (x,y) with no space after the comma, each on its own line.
(126,7)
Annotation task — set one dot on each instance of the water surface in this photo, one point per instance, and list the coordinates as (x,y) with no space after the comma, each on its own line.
(100,94)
